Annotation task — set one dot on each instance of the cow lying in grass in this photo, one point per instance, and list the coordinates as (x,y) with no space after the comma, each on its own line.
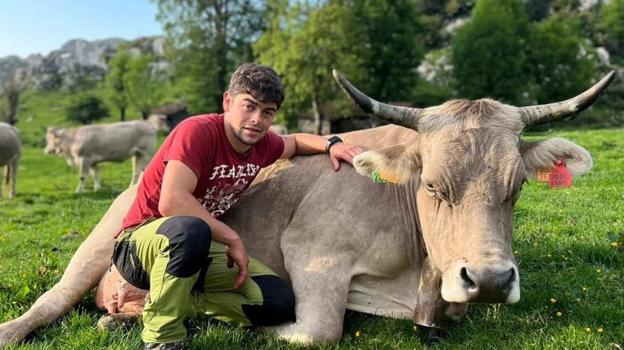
(435,238)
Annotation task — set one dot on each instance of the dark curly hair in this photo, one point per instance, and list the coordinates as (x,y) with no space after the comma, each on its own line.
(259,81)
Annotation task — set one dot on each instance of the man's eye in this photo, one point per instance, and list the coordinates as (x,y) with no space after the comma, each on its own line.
(248,108)
(268,115)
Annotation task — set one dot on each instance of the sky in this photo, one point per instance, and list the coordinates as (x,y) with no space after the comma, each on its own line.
(41,26)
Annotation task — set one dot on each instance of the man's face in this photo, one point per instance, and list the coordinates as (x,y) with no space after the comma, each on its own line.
(248,118)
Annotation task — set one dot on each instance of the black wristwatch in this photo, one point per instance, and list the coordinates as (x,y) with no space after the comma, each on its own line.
(331,141)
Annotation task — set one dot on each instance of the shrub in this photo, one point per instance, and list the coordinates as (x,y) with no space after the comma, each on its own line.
(85,109)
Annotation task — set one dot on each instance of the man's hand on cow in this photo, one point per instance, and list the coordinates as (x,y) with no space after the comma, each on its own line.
(237,254)
(343,151)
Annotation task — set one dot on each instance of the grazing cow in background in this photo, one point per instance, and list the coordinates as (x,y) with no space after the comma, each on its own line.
(10,151)
(89,145)
(423,248)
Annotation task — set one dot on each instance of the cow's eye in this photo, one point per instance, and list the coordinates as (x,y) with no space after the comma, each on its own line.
(433,191)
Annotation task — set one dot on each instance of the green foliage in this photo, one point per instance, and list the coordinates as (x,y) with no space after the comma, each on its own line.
(298,36)
(612,27)
(85,109)
(537,10)
(143,89)
(387,45)
(489,53)
(115,81)
(363,39)
(556,62)
(207,40)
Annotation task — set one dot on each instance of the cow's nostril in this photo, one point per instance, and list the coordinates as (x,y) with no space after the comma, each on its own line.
(468,282)
(510,278)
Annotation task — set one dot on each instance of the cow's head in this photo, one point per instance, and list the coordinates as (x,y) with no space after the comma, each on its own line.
(54,137)
(468,164)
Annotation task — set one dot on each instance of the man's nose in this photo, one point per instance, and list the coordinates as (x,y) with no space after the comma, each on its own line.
(256,117)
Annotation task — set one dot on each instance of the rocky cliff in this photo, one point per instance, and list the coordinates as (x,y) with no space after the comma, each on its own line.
(77,60)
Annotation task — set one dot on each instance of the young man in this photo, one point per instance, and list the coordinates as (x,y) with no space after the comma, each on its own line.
(173,243)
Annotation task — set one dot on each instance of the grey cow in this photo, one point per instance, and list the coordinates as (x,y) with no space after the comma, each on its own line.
(89,145)
(422,248)
(10,152)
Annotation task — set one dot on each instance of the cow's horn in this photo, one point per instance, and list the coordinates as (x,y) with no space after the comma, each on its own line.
(404,116)
(546,113)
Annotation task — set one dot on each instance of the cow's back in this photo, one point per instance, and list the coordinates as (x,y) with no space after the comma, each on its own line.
(114,142)
(302,205)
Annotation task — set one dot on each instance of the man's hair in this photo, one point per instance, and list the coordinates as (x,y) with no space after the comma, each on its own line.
(259,81)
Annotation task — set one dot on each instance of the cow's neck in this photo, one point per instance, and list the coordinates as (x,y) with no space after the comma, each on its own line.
(406,198)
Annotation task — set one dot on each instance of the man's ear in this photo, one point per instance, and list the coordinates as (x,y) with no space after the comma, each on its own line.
(544,154)
(227,101)
(396,164)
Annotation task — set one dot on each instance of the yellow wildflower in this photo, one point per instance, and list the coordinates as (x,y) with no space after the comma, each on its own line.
(358,333)
(587,329)
(600,330)
(598,270)
(553,300)
(559,314)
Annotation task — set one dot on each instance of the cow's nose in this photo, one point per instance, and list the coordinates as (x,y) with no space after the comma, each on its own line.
(489,285)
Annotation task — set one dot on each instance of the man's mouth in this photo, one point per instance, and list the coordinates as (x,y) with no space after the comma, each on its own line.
(253,130)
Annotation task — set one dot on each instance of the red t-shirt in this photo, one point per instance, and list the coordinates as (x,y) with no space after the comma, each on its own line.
(222,173)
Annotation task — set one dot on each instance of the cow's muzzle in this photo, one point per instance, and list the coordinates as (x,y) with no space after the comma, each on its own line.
(492,283)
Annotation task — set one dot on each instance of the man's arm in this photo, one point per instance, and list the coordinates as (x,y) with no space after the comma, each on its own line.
(176,198)
(302,144)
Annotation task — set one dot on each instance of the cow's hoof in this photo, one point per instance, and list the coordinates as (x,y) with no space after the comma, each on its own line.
(109,323)
(430,335)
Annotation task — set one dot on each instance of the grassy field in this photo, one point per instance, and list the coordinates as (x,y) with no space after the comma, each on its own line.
(569,244)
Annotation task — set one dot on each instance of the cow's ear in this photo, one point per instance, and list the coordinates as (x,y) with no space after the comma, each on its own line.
(544,154)
(396,164)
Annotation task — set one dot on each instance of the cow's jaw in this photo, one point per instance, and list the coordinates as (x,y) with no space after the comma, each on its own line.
(497,282)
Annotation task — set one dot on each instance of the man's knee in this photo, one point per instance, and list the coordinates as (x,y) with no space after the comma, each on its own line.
(189,244)
(278,302)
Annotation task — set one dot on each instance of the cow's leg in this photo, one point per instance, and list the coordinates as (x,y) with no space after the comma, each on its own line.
(321,286)
(85,269)
(139,163)
(6,172)
(432,312)
(94,170)
(83,170)
(12,175)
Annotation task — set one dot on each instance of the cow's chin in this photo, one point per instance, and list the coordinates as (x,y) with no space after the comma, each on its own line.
(497,282)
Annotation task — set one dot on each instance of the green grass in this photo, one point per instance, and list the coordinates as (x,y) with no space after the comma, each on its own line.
(561,239)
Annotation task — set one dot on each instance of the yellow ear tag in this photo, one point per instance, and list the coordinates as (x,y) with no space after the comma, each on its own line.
(381,176)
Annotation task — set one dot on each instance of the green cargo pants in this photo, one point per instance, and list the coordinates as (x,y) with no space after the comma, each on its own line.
(186,274)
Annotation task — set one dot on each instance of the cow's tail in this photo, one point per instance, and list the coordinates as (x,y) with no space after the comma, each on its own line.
(84,271)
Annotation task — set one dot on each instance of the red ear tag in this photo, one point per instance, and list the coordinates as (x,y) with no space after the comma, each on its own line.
(560,176)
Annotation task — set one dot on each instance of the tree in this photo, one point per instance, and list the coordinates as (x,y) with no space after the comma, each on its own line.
(85,109)
(612,27)
(375,43)
(142,87)
(208,38)
(557,64)
(115,81)
(489,52)
(303,43)
(386,40)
